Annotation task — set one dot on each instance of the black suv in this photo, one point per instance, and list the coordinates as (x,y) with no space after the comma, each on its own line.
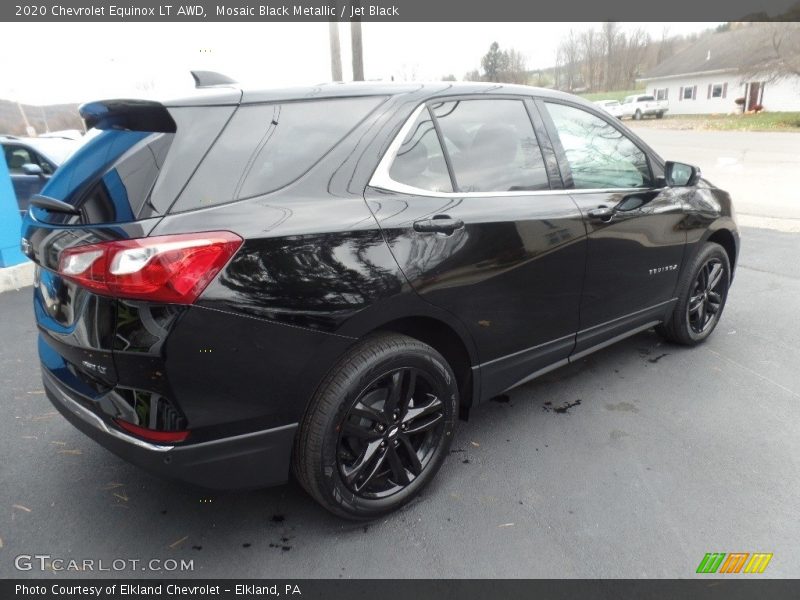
(326,278)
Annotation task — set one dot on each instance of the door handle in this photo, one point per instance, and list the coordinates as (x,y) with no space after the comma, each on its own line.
(602,213)
(438,224)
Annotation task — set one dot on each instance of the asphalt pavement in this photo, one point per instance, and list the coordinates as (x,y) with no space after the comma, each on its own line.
(633,462)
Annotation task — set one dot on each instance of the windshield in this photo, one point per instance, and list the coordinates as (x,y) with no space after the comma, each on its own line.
(56,150)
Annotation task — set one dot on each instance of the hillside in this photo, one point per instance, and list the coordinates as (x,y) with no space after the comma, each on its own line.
(58,116)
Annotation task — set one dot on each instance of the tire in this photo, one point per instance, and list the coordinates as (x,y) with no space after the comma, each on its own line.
(659,115)
(353,454)
(703,285)
(637,116)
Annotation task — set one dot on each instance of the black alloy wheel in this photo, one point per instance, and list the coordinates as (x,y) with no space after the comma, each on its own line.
(378,428)
(388,436)
(706,299)
(702,291)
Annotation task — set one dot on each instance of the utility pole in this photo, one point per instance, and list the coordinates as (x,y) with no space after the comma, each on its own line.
(358,51)
(336,51)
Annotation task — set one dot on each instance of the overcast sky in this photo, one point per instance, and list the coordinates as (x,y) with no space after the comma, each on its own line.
(46,63)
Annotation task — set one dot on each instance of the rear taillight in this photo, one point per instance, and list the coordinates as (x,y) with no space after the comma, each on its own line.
(153,435)
(169,268)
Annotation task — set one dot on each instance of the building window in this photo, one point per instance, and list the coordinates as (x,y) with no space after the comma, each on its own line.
(688,93)
(662,94)
(717,90)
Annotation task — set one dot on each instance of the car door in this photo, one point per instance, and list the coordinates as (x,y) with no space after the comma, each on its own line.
(469,202)
(634,223)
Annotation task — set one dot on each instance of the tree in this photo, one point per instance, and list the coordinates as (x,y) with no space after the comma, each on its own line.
(516,70)
(567,61)
(782,52)
(494,63)
(473,75)
(610,35)
(450,77)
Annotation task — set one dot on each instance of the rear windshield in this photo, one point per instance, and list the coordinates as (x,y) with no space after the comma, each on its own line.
(109,177)
(121,175)
(267,146)
(646,98)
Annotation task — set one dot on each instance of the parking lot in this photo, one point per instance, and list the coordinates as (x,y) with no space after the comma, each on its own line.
(633,462)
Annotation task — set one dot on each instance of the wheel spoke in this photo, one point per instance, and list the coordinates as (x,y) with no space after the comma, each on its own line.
(425,424)
(374,454)
(415,466)
(365,410)
(415,413)
(701,315)
(396,465)
(395,393)
(711,308)
(695,302)
(714,277)
(409,387)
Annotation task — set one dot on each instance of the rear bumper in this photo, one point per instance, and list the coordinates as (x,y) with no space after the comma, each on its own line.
(248,461)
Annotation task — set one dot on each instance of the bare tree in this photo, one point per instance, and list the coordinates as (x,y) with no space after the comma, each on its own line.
(474,75)
(610,35)
(516,70)
(567,59)
(591,54)
(780,43)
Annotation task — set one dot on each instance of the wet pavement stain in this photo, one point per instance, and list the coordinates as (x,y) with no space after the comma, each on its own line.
(502,399)
(623,407)
(561,410)
(657,358)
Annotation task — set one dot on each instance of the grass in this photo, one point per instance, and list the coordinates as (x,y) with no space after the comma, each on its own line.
(763,121)
(619,95)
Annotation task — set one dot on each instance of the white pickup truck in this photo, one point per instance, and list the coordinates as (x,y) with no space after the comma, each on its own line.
(639,106)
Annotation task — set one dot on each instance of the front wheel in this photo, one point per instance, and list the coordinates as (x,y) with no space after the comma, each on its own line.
(702,292)
(637,116)
(379,427)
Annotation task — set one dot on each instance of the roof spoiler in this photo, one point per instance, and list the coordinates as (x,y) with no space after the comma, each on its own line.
(134,115)
(204,79)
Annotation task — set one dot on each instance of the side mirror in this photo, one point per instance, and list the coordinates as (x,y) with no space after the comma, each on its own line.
(680,174)
(32,169)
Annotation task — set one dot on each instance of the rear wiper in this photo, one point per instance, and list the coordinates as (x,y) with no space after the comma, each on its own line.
(54,205)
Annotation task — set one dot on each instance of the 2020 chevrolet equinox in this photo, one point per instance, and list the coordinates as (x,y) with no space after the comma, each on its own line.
(323,279)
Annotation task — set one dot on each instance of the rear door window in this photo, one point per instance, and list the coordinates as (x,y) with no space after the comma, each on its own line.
(268,146)
(492,145)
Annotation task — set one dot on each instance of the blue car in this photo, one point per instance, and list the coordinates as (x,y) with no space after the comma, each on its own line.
(32,161)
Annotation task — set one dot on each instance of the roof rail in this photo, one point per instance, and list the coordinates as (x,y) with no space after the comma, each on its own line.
(203,79)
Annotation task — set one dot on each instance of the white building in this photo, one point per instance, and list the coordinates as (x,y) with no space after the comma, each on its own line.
(708,76)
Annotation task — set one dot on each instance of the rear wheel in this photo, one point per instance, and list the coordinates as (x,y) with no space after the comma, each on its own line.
(702,292)
(378,428)
(659,115)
